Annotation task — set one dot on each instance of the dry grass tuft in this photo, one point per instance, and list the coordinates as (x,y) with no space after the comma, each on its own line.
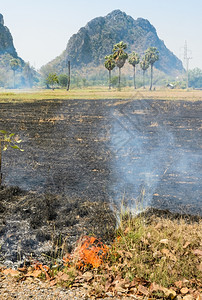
(96,93)
(162,251)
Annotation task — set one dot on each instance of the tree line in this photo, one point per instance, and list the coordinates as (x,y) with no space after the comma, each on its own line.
(15,73)
(119,57)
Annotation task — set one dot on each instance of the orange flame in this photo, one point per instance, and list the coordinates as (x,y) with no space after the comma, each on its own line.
(90,252)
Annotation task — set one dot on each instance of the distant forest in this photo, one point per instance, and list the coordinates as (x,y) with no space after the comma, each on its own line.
(15,73)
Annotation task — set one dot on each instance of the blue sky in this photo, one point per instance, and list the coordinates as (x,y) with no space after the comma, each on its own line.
(41,28)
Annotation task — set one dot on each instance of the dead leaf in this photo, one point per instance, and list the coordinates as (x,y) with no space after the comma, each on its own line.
(127,230)
(64,277)
(148,235)
(60,274)
(108,285)
(188,297)
(139,281)
(132,290)
(184,290)
(169,254)
(88,276)
(143,290)
(186,245)
(11,272)
(198,296)
(164,241)
(47,276)
(179,284)
(185,281)
(169,293)
(154,287)
(199,267)
(119,287)
(109,294)
(165,251)
(128,254)
(157,254)
(120,252)
(53,282)
(158,226)
(35,273)
(23,269)
(197,252)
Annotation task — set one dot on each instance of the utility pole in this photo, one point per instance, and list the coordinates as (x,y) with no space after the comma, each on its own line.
(186,61)
(68,76)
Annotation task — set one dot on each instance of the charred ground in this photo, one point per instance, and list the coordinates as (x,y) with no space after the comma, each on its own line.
(80,158)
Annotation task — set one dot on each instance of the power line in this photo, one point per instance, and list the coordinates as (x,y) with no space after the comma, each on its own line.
(187,58)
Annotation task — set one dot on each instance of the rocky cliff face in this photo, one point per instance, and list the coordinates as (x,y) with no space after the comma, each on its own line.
(96,39)
(6,40)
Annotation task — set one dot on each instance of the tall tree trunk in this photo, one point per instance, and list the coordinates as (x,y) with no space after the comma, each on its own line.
(151,77)
(0,164)
(14,79)
(110,79)
(134,78)
(144,79)
(68,76)
(119,78)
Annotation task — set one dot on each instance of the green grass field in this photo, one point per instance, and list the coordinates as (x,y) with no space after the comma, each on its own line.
(99,93)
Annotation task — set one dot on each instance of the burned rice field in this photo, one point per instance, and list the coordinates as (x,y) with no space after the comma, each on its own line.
(143,153)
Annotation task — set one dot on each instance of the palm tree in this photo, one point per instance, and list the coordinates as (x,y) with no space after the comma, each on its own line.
(134,60)
(152,55)
(109,65)
(14,64)
(120,57)
(144,66)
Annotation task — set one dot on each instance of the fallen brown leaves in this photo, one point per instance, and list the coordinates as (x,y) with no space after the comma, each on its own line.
(104,271)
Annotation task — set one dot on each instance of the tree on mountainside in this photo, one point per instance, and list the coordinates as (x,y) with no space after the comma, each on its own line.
(144,66)
(134,60)
(120,57)
(14,64)
(151,56)
(109,65)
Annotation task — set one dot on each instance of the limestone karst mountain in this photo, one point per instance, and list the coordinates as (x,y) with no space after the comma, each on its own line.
(6,40)
(24,75)
(91,43)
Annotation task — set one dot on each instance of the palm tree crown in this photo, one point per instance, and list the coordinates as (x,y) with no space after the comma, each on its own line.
(109,65)
(152,55)
(119,54)
(109,62)
(134,59)
(144,64)
(120,57)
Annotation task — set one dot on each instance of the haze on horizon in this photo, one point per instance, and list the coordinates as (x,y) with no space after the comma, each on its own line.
(41,29)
